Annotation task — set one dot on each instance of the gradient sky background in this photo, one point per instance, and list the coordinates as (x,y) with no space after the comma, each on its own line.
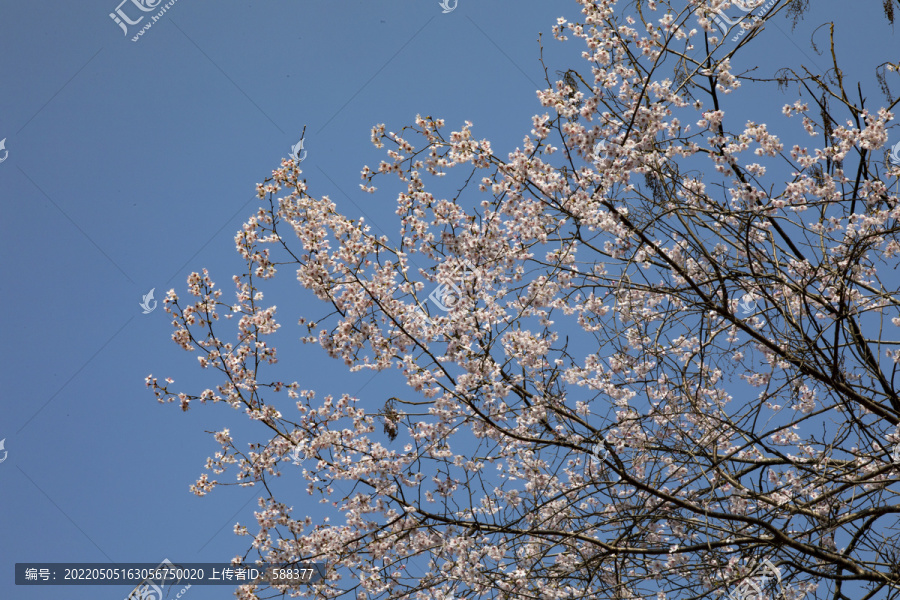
(133,164)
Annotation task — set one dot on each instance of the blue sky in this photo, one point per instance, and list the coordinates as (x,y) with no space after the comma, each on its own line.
(132,164)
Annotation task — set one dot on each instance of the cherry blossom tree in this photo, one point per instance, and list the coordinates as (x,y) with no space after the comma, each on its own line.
(665,351)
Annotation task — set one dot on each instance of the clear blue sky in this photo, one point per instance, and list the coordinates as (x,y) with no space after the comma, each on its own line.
(132,164)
